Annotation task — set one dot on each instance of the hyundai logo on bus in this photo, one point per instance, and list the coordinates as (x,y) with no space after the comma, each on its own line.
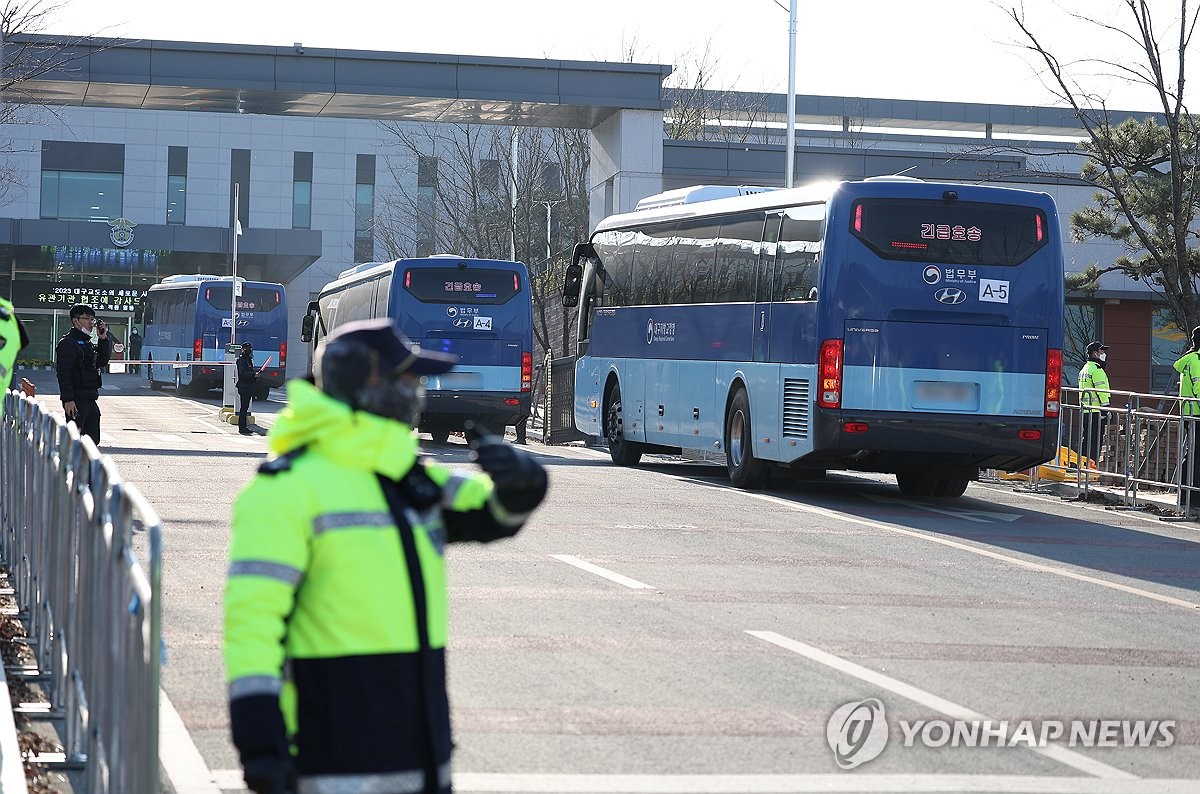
(659,332)
(950,295)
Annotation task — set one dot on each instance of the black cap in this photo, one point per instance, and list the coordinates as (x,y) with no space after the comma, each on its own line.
(1094,346)
(396,352)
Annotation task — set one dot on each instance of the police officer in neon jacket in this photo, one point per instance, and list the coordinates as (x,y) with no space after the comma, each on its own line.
(336,598)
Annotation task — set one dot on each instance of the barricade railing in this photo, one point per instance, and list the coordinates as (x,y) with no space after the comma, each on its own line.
(1131,443)
(91,603)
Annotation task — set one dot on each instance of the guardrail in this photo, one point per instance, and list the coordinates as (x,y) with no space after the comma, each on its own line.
(1136,443)
(92,611)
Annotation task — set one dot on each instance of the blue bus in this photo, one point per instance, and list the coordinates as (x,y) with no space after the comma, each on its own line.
(887,325)
(189,318)
(480,310)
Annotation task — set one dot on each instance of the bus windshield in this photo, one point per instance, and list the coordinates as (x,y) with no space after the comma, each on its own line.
(456,285)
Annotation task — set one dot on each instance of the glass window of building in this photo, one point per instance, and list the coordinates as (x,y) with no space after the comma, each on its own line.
(364,208)
(176,185)
(427,176)
(551,178)
(82,181)
(1167,343)
(176,199)
(81,196)
(1081,325)
(489,177)
(302,190)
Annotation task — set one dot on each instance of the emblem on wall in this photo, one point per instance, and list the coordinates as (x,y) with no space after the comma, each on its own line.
(122,232)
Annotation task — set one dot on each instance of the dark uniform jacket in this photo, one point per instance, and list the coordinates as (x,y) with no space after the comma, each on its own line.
(78,363)
(246,374)
(336,602)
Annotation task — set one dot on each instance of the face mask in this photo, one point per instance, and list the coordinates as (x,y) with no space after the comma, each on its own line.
(1102,356)
(401,399)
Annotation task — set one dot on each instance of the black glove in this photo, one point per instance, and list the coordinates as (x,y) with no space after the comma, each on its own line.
(261,740)
(520,480)
(270,775)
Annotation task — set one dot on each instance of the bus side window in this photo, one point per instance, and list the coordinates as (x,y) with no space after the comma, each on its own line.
(381,296)
(797,257)
(737,256)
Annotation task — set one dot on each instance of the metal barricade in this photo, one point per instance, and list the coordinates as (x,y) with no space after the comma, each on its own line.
(559,419)
(1135,446)
(92,610)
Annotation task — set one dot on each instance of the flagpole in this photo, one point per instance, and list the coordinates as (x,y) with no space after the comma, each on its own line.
(233,285)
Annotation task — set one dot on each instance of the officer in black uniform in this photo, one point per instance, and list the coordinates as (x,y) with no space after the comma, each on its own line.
(79,361)
(246,375)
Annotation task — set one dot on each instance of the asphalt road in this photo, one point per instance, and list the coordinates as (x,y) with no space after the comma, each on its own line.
(655,630)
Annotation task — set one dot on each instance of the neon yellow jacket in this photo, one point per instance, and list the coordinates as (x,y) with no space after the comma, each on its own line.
(1188,367)
(325,583)
(1093,384)
(12,339)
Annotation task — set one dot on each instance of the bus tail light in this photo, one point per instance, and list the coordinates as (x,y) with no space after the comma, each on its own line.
(282,354)
(527,371)
(1053,382)
(197,350)
(829,370)
(856,427)
(1029,435)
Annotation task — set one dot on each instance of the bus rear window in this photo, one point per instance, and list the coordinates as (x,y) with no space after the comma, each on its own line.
(958,232)
(461,285)
(252,299)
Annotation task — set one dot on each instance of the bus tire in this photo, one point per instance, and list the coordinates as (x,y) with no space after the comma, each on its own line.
(745,471)
(916,485)
(622,451)
(440,435)
(951,489)
(262,392)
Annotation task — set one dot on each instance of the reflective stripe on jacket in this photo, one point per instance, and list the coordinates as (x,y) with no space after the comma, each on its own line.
(326,583)
(1093,385)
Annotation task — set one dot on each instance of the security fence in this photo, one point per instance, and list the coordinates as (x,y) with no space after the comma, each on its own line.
(1133,445)
(67,523)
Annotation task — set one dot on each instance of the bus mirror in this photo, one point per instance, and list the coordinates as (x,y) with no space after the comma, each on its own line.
(138,311)
(306,328)
(571,284)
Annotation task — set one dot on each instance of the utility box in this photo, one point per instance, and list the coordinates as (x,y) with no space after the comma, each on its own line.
(229,393)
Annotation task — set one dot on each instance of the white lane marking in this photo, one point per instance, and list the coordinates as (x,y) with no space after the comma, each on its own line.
(1033,566)
(846,783)
(210,425)
(607,574)
(168,437)
(229,779)
(980,516)
(931,701)
(178,754)
(105,438)
(110,388)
